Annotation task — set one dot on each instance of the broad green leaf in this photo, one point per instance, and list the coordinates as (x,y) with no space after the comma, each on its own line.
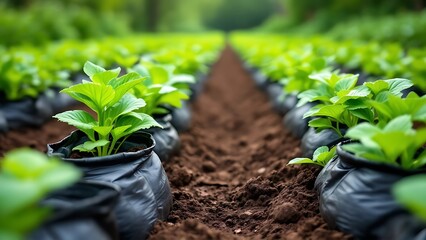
(362,130)
(159,75)
(377,86)
(77,118)
(119,132)
(128,103)
(397,85)
(320,123)
(372,154)
(27,190)
(318,151)
(60,176)
(95,96)
(181,78)
(124,88)
(137,121)
(116,82)
(105,77)
(332,111)
(90,69)
(363,113)
(402,123)
(173,99)
(411,193)
(28,220)
(91,145)
(346,83)
(302,161)
(103,130)
(393,144)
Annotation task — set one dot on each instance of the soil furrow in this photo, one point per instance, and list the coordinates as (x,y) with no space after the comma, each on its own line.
(230,179)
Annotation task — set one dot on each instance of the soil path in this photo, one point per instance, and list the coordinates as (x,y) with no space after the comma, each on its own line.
(230,180)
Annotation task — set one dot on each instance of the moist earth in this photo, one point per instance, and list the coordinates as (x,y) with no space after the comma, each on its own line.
(230,179)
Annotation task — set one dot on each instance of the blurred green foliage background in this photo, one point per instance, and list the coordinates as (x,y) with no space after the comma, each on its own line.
(38,21)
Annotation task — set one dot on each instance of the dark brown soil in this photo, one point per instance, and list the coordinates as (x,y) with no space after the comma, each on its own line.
(230,180)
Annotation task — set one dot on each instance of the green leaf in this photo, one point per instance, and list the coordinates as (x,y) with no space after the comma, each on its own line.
(95,96)
(401,123)
(377,86)
(364,114)
(28,191)
(410,192)
(103,130)
(393,144)
(346,83)
(119,132)
(159,75)
(124,88)
(90,145)
(318,151)
(173,99)
(397,85)
(105,77)
(332,111)
(362,130)
(77,118)
(302,161)
(137,121)
(128,103)
(320,123)
(91,69)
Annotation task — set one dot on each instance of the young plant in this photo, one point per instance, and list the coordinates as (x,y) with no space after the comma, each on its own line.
(411,192)
(341,102)
(26,177)
(321,157)
(391,106)
(161,88)
(396,143)
(116,117)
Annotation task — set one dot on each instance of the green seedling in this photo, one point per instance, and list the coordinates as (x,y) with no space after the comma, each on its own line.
(116,117)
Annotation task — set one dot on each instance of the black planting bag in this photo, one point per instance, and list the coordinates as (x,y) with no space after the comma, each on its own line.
(311,140)
(181,117)
(198,86)
(281,102)
(167,141)
(294,122)
(355,195)
(81,211)
(260,79)
(145,195)
(32,111)
(405,227)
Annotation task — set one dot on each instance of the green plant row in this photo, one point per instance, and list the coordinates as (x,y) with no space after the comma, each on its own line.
(407,28)
(290,60)
(28,71)
(40,24)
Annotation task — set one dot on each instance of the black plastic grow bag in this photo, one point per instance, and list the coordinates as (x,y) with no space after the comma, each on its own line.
(294,121)
(181,117)
(32,111)
(167,141)
(82,211)
(198,86)
(355,195)
(311,140)
(145,195)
